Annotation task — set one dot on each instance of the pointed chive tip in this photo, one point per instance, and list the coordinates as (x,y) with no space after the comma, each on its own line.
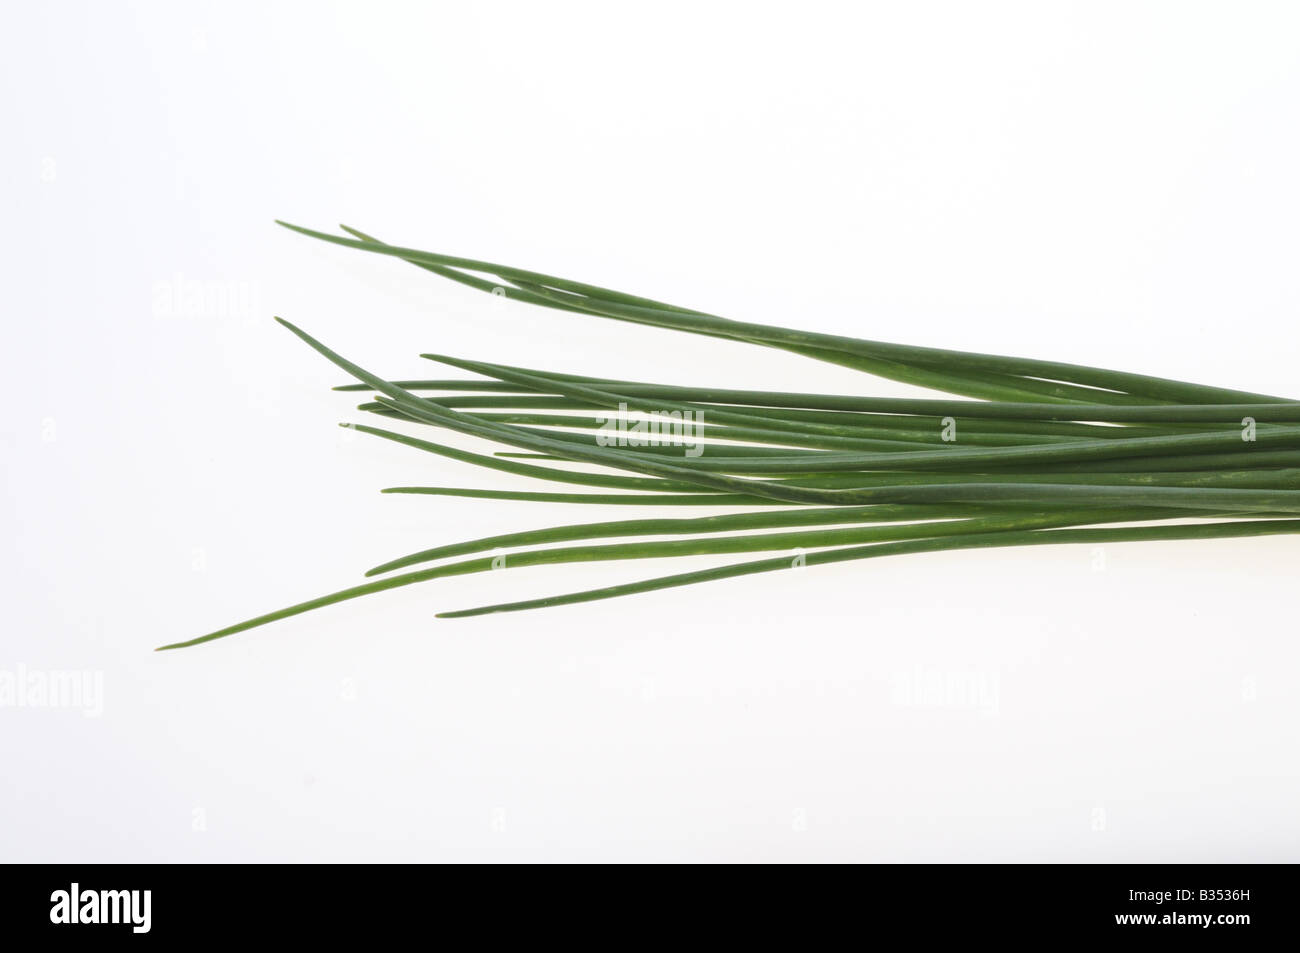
(292,327)
(460,362)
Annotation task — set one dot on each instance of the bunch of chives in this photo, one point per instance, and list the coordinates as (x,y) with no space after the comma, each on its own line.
(1049,452)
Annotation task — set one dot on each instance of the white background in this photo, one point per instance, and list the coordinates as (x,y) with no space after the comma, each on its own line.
(1110,184)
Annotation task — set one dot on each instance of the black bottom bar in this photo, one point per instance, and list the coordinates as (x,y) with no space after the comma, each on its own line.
(910,904)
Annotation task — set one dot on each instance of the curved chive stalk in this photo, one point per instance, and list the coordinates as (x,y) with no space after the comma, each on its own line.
(944,526)
(1034,538)
(971,384)
(606,301)
(769,519)
(941,537)
(625,499)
